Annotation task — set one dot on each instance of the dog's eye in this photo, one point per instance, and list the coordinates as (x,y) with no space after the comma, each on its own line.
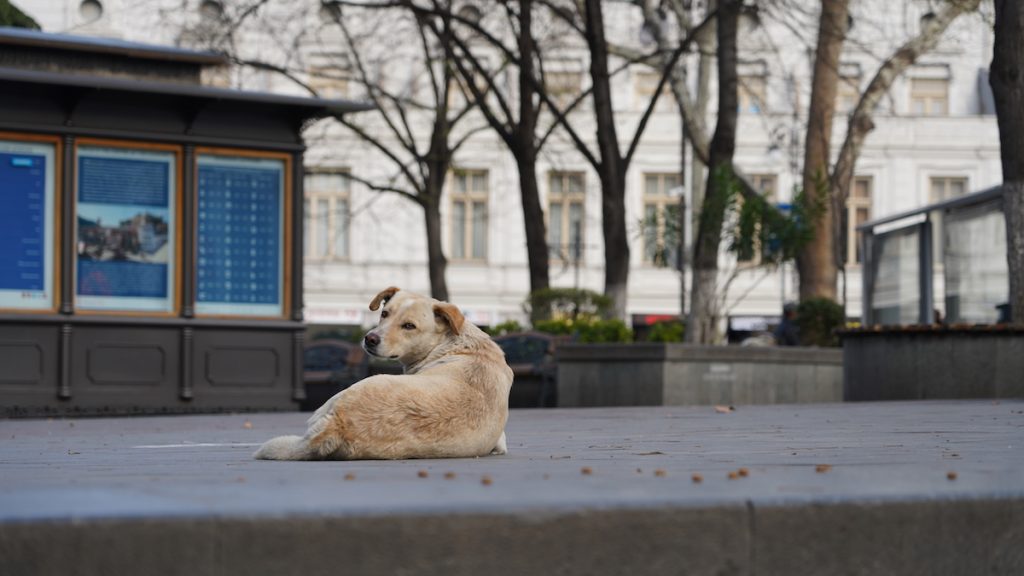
(408,326)
(384,314)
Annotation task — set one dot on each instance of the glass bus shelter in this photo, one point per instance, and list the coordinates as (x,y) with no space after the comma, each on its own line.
(944,263)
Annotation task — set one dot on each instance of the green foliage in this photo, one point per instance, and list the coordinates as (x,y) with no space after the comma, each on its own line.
(764,230)
(506,327)
(589,330)
(818,319)
(751,226)
(558,326)
(667,331)
(566,302)
(10,15)
(601,331)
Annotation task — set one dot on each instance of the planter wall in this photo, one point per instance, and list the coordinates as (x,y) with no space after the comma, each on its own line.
(921,362)
(678,374)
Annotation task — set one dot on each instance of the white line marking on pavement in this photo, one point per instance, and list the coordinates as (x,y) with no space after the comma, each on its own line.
(201,445)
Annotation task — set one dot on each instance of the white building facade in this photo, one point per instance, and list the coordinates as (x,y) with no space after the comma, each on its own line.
(935,137)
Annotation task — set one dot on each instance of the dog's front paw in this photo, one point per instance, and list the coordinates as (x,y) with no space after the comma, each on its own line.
(502,447)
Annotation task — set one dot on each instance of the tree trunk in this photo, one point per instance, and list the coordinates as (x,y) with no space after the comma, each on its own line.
(611,172)
(616,250)
(702,326)
(437,264)
(525,152)
(438,162)
(705,64)
(1007,80)
(533,216)
(816,263)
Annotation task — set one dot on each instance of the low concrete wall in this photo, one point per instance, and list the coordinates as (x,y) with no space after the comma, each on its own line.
(678,374)
(922,362)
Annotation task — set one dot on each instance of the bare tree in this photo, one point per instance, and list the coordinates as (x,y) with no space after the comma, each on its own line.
(420,116)
(512,116)
(610,161)
(1007,80)
(815,262)
(422,161)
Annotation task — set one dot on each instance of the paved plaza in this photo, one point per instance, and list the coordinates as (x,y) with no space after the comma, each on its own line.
(923,487)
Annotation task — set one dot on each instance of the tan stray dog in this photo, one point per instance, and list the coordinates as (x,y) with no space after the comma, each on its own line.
(451,402)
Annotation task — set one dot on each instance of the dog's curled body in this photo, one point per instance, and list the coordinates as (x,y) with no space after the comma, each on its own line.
(451,402)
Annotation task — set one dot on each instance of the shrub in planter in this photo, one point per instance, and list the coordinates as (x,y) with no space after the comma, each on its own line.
(506,327)
(667,331)
(605,331)
(818,319)
(588,330)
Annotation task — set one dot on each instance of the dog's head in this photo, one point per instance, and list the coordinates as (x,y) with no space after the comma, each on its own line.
(411,326)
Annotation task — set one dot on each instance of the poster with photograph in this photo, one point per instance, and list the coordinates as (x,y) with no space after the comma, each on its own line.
(27,196)
(125,229)
(240,226)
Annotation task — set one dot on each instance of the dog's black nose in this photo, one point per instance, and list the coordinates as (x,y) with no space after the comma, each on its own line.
(371,340)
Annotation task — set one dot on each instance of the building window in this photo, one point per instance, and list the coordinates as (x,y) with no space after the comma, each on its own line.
(940,189)
(858,211)
(753,93)
(929,96)
(329,74)
(564,87)
(565,216)
(469,215)
(847,94)
(944,188)
(661,214)
(646,84)
(460,94)
(765,184)
(328,216)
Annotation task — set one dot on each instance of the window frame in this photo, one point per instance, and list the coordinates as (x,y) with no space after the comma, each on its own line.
(947,180)
(311,212)
(928,98)
(566,199)
(752,93)
(853,204)
(662,202)
(644,86)
(469,198)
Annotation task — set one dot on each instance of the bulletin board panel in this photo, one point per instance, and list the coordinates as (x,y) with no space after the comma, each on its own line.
(30,183)
(243,233)
(127,227)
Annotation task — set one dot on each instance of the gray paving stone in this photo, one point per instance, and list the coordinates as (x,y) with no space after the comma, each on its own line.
(181,495)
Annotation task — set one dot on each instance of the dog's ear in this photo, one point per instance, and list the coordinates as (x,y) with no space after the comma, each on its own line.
(383,297)
(450,315)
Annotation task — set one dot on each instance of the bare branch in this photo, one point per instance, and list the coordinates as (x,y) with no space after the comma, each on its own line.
(861,122)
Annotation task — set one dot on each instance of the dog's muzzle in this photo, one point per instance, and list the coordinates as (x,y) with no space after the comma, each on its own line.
(370,342)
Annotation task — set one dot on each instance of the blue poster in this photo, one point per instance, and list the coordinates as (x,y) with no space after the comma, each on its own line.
(125,213)
(240,236)
(26,225)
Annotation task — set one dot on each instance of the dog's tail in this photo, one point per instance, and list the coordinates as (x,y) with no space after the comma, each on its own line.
(285,448)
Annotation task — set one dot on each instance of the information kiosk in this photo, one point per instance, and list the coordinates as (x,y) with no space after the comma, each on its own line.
(150,235)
